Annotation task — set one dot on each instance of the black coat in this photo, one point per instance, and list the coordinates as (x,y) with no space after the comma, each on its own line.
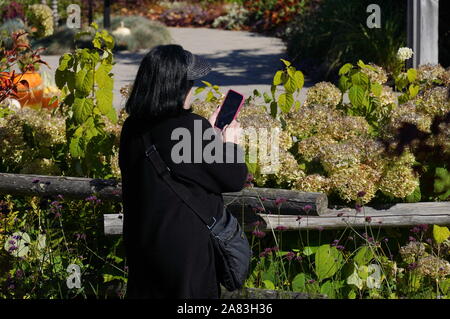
(168,248)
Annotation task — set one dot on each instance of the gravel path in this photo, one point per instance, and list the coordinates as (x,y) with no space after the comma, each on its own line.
(241,60)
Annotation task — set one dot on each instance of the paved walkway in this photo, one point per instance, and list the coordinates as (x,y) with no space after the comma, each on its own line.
(241,60)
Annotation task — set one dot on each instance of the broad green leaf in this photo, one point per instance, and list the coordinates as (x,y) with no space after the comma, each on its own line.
(345,69)
(413,90)
(299,282)
(376,89)
(104,100)
(357,96)
(268,285)
(65,62)
(344,83)
(327,261)
(290,85)
(412,75)
(103,77)
(285,101)
(363,256)
(207,83)
(18,244)
(440,234)
(360,79)
(355,280)
(84,81)
(328,288)
(112,115)
(415,196)
(82,109)
(277,79)
(299,79)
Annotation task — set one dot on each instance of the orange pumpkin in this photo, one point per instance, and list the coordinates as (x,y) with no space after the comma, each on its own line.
(30,96)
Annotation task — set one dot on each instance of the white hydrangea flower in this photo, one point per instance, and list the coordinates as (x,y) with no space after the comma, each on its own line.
(404,53)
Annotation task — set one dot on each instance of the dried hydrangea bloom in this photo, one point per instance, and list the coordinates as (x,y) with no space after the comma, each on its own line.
(313,183)
(203,108)
(429,74)
(323,93)
(115,128)
(126,90)
(312,147)
(115,164)
(404,53)
(337,156)
(345,127)
(350,181)
(387,96)
(406,113)
(433,267)
(12,143)
(41,166)
(289,171)
(435,101)
(378,75)
(411,252)
(398,180)
(372,151)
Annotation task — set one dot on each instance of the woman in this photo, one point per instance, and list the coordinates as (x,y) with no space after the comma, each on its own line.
(168,247)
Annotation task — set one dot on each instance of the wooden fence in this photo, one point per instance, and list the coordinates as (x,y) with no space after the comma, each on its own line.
(281,207)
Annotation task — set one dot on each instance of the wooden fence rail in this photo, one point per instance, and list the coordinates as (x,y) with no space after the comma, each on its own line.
(281,207)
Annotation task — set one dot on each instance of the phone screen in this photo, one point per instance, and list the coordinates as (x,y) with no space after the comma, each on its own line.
(228,110)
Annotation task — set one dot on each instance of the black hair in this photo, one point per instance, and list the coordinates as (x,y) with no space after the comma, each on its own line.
(161,84)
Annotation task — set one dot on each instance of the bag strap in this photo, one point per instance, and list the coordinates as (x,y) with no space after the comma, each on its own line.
(163,171)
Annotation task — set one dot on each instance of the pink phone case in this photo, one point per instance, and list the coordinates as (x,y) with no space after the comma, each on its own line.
(238,110)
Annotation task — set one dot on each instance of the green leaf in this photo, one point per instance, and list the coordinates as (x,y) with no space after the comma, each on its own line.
(412,75)
(344,83)
(299,283)
(65,62)
(103,77)
(268,285)
(327,261)
(199,90)
(440,234)
(329,288)
(413,90)
(76,147)
(345,68)
(290,86)
(267,98)
(415,196)
(104,100)
(84,81)
(363,256)
(357,96)
(310,250)
(207,83)
(273,109)
(82,109)
(355,280)
(376,89)
(277,79)
(442,183)
(299,79)
(360,79)
(286,63)
(285,102)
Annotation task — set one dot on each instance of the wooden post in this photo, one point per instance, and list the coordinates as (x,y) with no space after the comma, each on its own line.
(107,14)
(423,32)
(90,12)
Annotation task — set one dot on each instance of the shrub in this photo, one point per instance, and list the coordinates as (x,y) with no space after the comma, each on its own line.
(13,10)
(40,16)
(235,19)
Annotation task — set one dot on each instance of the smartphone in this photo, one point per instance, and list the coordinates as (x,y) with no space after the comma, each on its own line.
(229,109)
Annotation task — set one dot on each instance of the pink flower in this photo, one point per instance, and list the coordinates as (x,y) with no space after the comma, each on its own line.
(280,200)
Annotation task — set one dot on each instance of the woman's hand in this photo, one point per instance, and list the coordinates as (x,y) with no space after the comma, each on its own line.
(213,117)
(232,132)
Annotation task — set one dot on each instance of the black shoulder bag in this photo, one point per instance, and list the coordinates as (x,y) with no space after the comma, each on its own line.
(231,247)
